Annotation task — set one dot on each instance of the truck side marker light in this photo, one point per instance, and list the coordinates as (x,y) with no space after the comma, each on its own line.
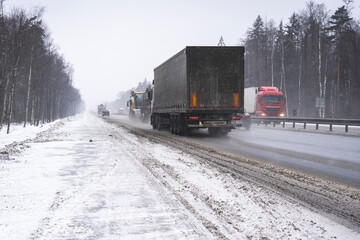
(194,101)
(236,100)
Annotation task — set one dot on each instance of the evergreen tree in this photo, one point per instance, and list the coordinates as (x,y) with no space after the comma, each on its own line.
(344,94)
(315,56)
(293,40)
(255,54)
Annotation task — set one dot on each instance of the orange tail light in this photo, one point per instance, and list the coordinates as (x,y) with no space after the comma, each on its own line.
(194,101)
(236,100)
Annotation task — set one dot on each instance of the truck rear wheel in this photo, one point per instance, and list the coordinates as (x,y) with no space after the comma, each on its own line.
(157,123)
(152,121)
(176,125)
(172,127)
(182,125)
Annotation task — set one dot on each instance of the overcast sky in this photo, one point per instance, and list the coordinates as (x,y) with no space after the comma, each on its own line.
(114,44)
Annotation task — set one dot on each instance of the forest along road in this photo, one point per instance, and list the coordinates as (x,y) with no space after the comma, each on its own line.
(330,156)
(89,177)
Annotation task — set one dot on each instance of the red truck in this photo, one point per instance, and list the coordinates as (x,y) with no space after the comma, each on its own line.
(264,101)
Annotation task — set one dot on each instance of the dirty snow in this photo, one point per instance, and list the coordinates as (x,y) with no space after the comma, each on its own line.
(82,178)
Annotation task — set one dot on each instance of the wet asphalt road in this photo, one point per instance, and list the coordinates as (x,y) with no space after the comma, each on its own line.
(328,156)
(334,157)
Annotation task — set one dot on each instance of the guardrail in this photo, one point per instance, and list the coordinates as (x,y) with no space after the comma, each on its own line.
(316,121)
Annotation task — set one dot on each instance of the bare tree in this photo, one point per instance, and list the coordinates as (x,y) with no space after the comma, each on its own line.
(35,81)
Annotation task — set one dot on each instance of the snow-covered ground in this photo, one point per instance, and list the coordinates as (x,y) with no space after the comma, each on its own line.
(19,133)
(83,178)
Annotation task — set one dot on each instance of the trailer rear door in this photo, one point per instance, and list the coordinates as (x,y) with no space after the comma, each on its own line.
(215,76)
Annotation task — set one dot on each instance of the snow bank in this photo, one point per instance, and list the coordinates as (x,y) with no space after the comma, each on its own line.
(19,133)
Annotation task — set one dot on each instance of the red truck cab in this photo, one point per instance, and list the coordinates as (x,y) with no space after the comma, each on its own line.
(270,102)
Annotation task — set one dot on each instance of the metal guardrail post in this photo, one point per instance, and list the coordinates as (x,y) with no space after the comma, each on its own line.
(346,128)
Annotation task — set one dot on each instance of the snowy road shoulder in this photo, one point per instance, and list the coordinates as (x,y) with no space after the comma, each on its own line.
(88,179)
(79,182)
(233,208)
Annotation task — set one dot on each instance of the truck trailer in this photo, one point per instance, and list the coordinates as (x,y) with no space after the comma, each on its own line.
(200,87)
(265,101)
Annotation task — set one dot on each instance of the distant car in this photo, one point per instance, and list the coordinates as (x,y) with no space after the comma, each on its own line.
(122,111)
(241,119)
(105,112)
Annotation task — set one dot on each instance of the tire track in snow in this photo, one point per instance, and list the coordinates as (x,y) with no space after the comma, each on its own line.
(340,203)
(138,151)
(88,188)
